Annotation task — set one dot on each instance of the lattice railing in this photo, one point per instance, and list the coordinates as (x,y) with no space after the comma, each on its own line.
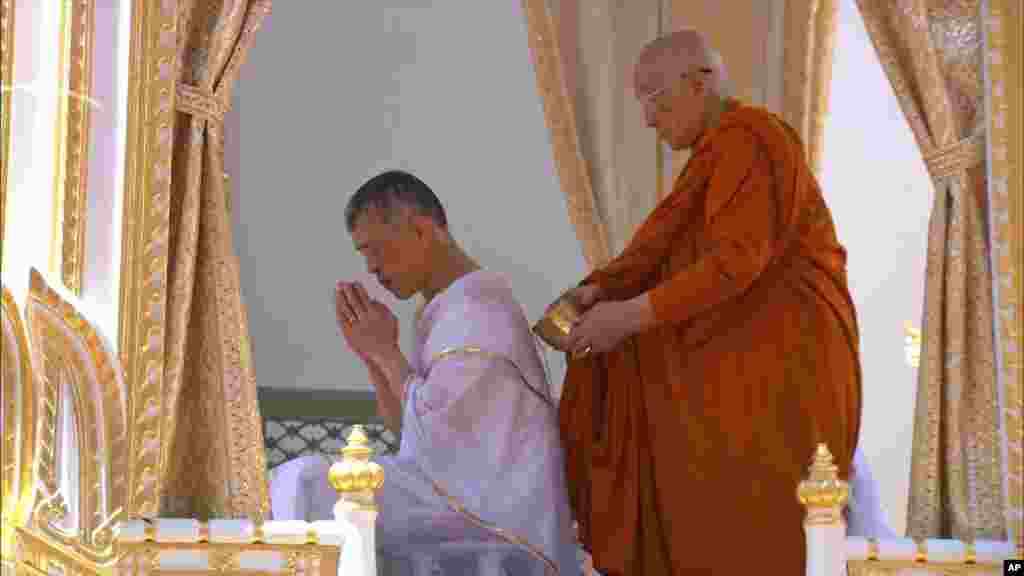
(288,438)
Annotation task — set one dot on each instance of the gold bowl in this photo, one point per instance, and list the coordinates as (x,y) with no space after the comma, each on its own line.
(554,327)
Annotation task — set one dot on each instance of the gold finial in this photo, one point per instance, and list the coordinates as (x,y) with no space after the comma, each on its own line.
(355,477)
(823,493)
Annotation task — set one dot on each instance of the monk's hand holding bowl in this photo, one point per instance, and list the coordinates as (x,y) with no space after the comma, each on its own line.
(607,324)
(584,296)
(554,327)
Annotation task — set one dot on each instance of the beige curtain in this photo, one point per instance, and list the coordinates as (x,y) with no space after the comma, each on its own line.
(932,53)
(807,70)
(606,158)
(212,460)
(620,149)
(611,168)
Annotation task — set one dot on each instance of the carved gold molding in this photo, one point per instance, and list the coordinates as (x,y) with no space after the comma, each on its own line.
(218,546)
(75,111)
(6,83)
(18,441)
(38,556)
(66,348)
(145,239)
(308,559)
(1003,58)
(902,568)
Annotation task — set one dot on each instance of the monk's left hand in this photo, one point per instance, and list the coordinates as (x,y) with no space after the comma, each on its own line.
(603,327)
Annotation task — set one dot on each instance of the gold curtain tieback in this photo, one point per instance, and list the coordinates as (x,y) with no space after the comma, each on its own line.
(200,103)
(949,160)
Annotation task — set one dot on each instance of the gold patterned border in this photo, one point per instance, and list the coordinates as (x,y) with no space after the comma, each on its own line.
(76,108)
(6,90)
(145,239)
(18,442)
(550,569)
(1003,58)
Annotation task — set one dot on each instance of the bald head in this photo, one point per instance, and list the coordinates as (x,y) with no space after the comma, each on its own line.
(679,80)
(673,55)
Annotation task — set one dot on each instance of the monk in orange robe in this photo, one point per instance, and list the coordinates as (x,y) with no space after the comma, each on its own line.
(716,351)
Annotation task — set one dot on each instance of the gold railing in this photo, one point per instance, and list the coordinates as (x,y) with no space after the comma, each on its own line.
(830,552)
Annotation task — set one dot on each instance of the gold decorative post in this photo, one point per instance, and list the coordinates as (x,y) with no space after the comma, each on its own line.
(823,494)
(357,479)
(354,477)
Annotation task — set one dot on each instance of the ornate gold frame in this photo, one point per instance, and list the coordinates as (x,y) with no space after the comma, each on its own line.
(144,240)
(73,159)
(18,449)
(66,346)
(1006,167)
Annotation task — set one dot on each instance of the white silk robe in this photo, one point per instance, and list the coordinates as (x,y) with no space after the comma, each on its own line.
(480,468)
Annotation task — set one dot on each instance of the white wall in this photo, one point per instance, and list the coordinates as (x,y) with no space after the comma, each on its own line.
(34,105)
(880,194)
(107,131)
(332,94)
(30,214)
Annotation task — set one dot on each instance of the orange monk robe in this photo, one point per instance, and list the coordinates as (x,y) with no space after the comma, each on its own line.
(685,444)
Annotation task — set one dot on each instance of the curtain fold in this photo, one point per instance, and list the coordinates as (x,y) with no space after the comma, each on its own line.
(611,170)
(212,459)
(932,54)
(809,30)
(606,158)
(543,34)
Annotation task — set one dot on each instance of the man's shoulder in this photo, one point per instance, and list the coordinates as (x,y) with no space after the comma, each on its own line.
(486,304)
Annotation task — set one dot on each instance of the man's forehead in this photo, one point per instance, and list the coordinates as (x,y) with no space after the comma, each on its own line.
(369,220)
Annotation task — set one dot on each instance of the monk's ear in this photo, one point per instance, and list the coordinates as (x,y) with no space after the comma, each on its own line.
(699,83)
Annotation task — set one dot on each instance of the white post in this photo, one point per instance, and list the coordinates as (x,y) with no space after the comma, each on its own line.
(357,479)
(824,495)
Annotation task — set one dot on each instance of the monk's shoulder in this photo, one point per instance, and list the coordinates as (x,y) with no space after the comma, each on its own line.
(752,127)
(734,142)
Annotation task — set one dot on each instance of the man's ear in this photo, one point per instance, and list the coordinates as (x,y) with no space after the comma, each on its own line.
(423,226)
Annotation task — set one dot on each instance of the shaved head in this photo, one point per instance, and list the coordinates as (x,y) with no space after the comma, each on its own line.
(680,80)
(673,55)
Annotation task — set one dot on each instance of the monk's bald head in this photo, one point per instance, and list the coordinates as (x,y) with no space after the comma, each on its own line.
(679,80)
(673,55)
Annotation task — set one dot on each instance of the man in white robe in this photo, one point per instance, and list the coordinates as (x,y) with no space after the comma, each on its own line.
(479,475)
